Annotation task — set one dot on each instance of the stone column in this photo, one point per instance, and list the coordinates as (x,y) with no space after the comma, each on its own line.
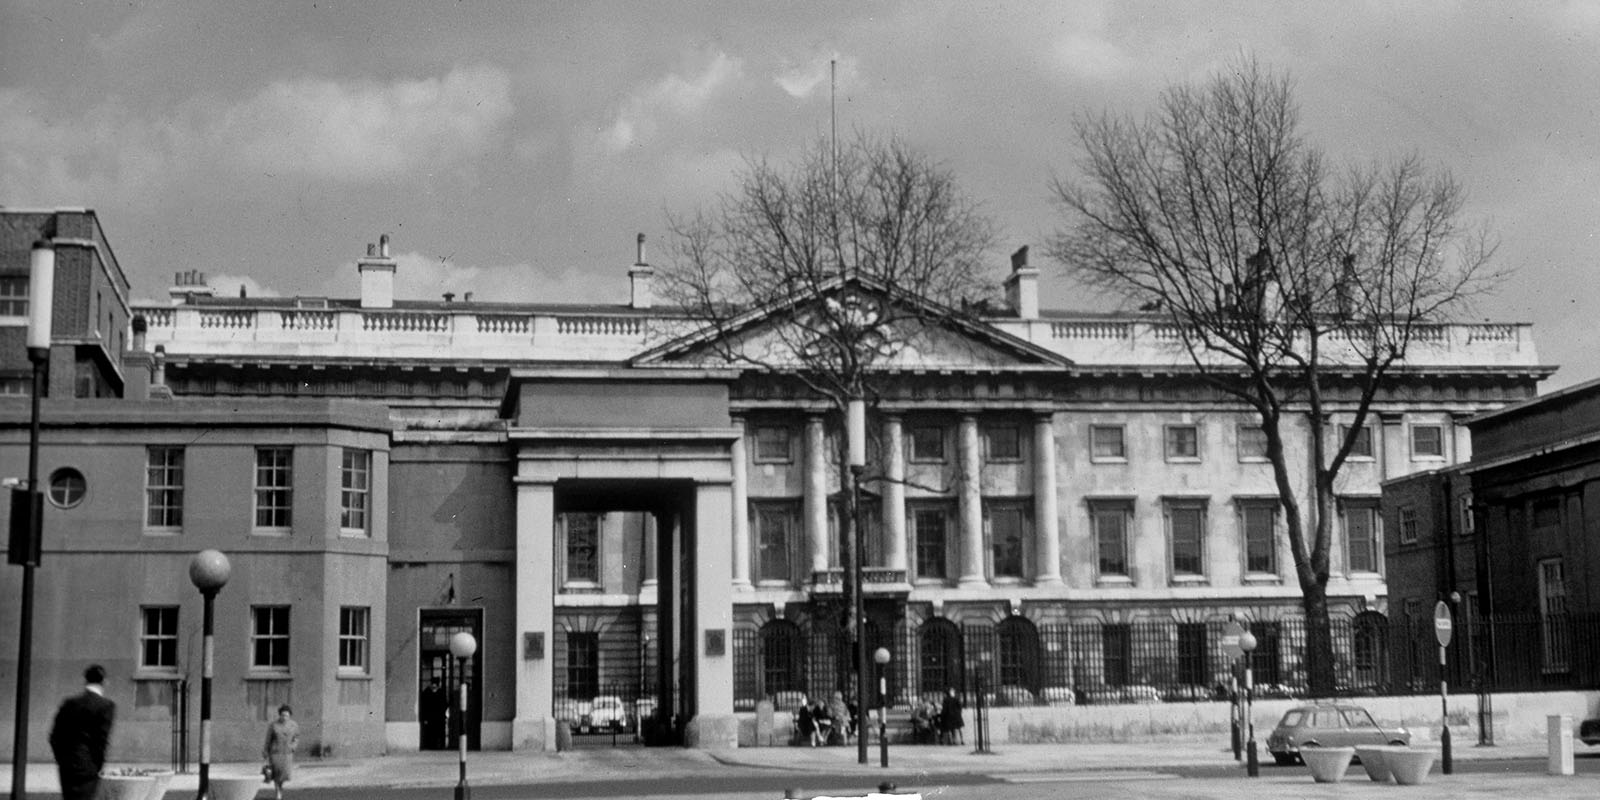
(1047,539)
(816,494)
(714,726)
(1461,453)
(533,727)
(894,494)
(969,503)
(741,510)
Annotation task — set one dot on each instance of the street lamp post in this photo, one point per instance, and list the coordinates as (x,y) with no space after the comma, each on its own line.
(208,571)
(881,656)
(856,424)
(1247,643)
(26,544)
(462,646)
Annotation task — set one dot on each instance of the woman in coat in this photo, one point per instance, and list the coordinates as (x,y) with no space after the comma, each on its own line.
(283,734)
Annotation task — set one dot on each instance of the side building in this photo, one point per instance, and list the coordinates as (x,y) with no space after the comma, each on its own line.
(1056,508)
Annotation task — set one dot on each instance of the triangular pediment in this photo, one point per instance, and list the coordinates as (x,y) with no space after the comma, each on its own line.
(915,334)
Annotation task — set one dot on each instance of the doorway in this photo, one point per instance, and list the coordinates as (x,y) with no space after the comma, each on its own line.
(440,677)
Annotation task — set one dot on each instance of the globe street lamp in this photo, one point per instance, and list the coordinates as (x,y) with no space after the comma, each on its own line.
(856,428)
(208,571)
(881,656)
(1247,643)
(462,646)
(27,541)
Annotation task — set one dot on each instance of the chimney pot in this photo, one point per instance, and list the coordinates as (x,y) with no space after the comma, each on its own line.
(383,246)
(639,251)
(372,250)
(448,296)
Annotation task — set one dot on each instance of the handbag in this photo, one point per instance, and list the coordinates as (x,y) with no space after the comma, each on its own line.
(266,773)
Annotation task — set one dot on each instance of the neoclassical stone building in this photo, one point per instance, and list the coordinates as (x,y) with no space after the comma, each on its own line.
(1054,504)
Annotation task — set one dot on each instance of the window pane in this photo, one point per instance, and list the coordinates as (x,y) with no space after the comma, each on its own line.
(1105,441)
(773,444)
(928,526)
(927,443)
(1004,443)
(353,637)
(583,665)
(1427,440)
(1006,538)
(1362,448)
(1111,528)
(1183,441)
(1187,528)
(273,489)
(158,638)
(583,547)
(1260,524)
(269,638)
(355,475)
(1361,536)
(773,542)
(1252,442)
(164,487)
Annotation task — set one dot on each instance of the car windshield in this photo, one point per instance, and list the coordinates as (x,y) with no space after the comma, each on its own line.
(1326,719)
(1292,718)
(1359,718)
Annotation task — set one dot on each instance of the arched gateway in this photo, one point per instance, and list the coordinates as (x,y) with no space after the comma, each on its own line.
(655,443)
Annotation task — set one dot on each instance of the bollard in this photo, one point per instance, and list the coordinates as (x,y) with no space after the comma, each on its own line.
(1560,741)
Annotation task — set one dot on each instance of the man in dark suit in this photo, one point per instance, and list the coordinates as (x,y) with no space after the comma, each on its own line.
(79,736)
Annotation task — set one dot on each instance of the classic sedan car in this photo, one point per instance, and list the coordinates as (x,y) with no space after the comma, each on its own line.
(1328,725)
(1589,731)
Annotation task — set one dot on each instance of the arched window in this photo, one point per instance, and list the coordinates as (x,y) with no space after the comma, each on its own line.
(1371,650)
(1019,653)
(782,658)
(939,663)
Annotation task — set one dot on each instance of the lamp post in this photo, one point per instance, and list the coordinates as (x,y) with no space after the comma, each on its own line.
(881,656)
(26,543)
(1247,643)
(462,646)
(856,424)
(208,571)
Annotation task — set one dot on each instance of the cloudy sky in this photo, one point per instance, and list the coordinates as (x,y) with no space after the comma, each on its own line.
(515,149)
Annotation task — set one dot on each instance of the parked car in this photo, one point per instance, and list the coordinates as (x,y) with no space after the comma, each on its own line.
(1328,725)
(1589,731)
(607,713)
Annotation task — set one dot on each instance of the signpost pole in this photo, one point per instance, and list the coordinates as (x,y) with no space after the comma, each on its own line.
(1230,646)
(1442,628)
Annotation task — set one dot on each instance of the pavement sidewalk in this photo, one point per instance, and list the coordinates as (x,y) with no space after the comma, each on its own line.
(1122,769)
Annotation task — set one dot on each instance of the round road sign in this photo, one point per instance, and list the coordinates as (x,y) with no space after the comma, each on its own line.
(1442,626)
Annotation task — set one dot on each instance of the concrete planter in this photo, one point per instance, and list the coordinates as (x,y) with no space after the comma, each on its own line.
(163,779)
(1372,760)
(1410,766)
(1328,764)
(235,788)
(125,787)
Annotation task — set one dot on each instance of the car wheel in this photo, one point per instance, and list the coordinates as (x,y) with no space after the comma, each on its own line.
(1283,759)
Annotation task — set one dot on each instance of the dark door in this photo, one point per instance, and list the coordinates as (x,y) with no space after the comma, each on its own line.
(442,723)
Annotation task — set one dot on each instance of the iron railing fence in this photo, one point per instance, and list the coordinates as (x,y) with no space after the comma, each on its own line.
(1020,663)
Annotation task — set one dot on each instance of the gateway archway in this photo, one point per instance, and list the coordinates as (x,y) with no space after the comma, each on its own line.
(648,446)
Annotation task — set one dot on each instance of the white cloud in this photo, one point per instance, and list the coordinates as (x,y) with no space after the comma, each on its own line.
(366,130)
(800,81)
(419,276)
(640,115)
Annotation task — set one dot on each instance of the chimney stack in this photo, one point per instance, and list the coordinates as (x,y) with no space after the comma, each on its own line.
(639,276)
(1022,286)
(188,285)
(377,275)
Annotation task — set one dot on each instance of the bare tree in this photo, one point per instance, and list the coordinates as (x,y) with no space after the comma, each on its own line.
(1293,287)
(830,269)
